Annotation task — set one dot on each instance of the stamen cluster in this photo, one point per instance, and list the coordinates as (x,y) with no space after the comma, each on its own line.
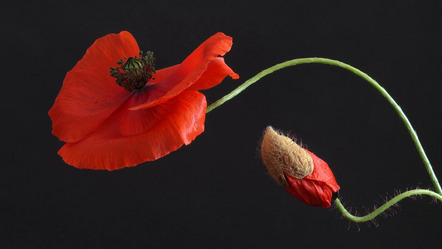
(135,72)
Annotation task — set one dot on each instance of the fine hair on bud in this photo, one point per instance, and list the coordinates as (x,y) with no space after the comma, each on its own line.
(281,155)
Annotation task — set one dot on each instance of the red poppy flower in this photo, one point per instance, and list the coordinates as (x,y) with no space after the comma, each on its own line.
(305,176)
(136,114)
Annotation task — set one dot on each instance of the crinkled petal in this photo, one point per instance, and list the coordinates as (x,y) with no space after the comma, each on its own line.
(310,192)
(162,74)
(89,94)
(167,127)
(215,73)
(317,188)
(188,72)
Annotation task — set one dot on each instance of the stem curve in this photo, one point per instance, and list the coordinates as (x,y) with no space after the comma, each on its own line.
(386,205)
(354,70)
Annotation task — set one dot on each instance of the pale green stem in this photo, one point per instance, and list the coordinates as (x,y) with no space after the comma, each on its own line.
(355,71)
(387,205)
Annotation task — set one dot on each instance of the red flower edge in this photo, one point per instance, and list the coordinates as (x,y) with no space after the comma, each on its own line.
(106,127)
(317,188)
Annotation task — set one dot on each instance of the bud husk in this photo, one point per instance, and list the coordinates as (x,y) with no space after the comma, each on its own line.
(280,155)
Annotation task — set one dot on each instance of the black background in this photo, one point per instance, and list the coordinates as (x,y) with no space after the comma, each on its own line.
(215,193)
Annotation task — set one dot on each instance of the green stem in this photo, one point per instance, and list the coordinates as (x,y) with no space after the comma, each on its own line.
(384,207)
(354,70)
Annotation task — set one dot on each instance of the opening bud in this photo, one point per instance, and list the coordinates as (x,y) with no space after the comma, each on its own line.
(281,155)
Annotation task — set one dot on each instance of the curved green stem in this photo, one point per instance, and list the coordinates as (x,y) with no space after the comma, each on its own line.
(354,70)
(384,207)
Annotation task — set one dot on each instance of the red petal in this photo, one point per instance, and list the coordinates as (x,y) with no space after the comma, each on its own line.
(188,72)
(215,73)
(317,188)
(162,74)
(89,94)
(128,138)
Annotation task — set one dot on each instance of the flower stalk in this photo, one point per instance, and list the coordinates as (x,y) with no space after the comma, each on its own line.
(354,70)
(388,204)
(437,194)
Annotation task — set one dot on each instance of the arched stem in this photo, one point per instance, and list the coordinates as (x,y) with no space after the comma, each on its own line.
(384,207)
(354,70)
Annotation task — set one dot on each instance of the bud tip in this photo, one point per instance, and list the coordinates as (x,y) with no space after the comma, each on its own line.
(280,154)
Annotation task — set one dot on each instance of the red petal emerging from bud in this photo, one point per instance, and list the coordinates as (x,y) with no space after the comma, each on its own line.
(317,188)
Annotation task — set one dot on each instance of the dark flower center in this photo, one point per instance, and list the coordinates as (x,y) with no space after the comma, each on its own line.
(135,72)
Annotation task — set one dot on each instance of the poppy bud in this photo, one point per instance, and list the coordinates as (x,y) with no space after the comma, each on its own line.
(304,175)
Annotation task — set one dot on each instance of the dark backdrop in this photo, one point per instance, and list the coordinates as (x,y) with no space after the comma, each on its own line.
(215,193)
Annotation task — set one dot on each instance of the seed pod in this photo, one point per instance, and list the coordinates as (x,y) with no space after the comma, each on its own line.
(280,155)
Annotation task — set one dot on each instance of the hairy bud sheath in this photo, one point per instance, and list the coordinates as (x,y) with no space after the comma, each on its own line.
(304,175)
(281,154)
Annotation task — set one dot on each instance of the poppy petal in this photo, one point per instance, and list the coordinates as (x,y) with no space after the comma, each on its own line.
(215,73)
(310,192)
(89,94)
(162,74)
(323,173)
(170,125)
(317,188)
(188,72)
